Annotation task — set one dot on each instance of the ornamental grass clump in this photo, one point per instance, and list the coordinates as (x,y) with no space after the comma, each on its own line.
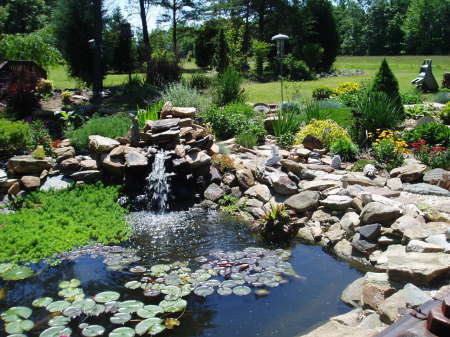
(53,222)
(185,96)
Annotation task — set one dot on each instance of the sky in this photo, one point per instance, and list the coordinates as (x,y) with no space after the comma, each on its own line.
(132,14)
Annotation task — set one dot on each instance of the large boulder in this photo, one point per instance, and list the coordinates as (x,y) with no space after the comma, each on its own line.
(303,201)
(439,177)
(260,192)
(63,153)
(135,160)
(376,212)
(410,173)
(70,164)
(422,231)
(352,294)
(197,159)
(100,144)
(213,192)
(112,166)
(245,178)
(360,179)
(283,185)
(27,165)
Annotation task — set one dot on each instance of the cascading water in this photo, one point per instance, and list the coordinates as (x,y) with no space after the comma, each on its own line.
(157,189)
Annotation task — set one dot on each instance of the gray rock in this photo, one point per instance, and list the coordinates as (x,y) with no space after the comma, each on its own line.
(439,177)
(349,221)
(213,192)
(283,185)
(165,124)
(369,171)
(318,185)
(3,175)
(229,179)
(135,160)
(260,192)
(27,165)
(403,223)
(56,183)
(410,173)
(197,159)
(88,176)
(337,202)
(422,247)
(292,166)
(336,162)
(236,192)
(370,232)
(100,144)
(439,240)
(303,201)
(376,212)
(352,294)
(426,189)
(166,137)
(360,179)
(245,178)
(363,246)
(395,184)
(63,153)
(422,231)
(216,176)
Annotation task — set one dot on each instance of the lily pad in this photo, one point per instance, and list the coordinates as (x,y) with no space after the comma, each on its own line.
(160,269)
(17,335)
(74,283)
(87,305)
(173,306)
(42,302)
(70,292)
(242,290)
(22,312)
(96,310)
(138,269)
(56,331)
(93,330)
(204,291)
(152,326)
(19,326)
(130,306)
(58,306)
(9,318)
(120,318)
(107,296)
(122,332)
(133,285)
(111,307)
(155,309)
(83,325)
(224,291)
(73,311)
(14,272)
(59,321)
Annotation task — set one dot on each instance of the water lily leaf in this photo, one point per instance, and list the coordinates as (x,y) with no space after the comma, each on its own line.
(19,326)
(138,270)
(130,306)
(93,330)
(229,283)
(6,266)
(152,292)
(111,307)
(42,302)
(224,291)
(83,325)
(17,335)
(58,306)
(171,323)
(107,296)
(9,318)
(115,267)
(16,273)
(204,291)
(70,292)
(172,291)
(73,311)
(87,305)
(120,318)
(152,326)
(22,312)
(122,332)
(96,310)
(160,269)
(242,290)
(59,321)
(155,309)
(133,285)
(56,331)
(74,283)
(173,306)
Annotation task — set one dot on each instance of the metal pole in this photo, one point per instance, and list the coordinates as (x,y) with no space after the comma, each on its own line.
(281,75)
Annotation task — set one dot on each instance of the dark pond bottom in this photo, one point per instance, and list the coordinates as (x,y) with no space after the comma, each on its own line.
(288,310)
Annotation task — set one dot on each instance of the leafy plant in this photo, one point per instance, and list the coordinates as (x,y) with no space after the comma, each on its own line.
(345,148)
(289,119)
(40,136)
(151,113)
(442,97)
(109,126)
(227,87)
(229,204)
(432,133)
(411,97)
(295,70)
(323,92)
(346,88)
(433,156)
(327,131)
(386,154)
(66,97)
(74,117)
(223,162)
(14,137)
(418,111)
(44,87)
(247,139)
(286,140)
(164,68)
(444,114)
(275,224)
(56,221)
(200,81)
(182,95)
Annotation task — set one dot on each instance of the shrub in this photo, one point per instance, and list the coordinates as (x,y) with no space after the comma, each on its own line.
(346,88)
(40,136)
(442,97)
(182,95)
(247,139)
(375,110)
(418,111)
(66,97)
(233,119)
(21,97)
(296,70)
(327,131)
(386,82)
(228,87)
(57,221)
(223,162)
(151,113)
(14,137)
(433,156)
(345,148)
(444,114)
(286,140)
(44,87)
(200,81)
(164,69)
(411,97)
(320,93)
(110,126)
(389,149)
(432,133)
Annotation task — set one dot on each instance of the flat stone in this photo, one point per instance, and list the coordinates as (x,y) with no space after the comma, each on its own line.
(426,189)
(395,184)
(337,202)
(198,159)
(181,112)
(410,173)
(360,179)
(213,192)
(422,247)
(318,185)
(439,177)
(120,151)
(165,137)
(372,321)
(135,160)
(88,164)
(376,212)
(305,233)
(349,221)
(245,178)
(363,246)
(351,318)
(162,125)
(376,289)
(292,166)
(63,153)
(370,232)
(87,176)
(440,240)
(27,165)
(260,192)
(335,329)
(70,164)
(283,185)
(422,231)
(303,201)
(352,294)
(381,191)
(100,144)
(30,182)
(56,183)
(403,223)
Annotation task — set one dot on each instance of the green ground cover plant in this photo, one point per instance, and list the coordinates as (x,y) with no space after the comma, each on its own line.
(328,131)
(345,148)
(432,133)
(57,221)
(108,126)
(14,137)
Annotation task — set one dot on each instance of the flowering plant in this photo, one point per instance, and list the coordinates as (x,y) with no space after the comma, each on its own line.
(432,155)
(389,150)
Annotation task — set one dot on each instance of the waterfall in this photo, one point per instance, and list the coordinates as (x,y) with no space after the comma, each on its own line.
(157,189)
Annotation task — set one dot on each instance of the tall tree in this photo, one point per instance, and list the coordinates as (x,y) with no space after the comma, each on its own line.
(145,38)
(23,16)
(97,83)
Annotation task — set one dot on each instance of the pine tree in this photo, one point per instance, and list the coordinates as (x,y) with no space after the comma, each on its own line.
(386,82)
(221,58)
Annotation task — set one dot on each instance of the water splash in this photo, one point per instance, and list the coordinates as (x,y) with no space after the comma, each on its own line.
(157,189)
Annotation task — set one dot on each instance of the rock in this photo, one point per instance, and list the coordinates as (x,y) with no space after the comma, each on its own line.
(135,160)
(376,289)
(303,201)
(302,152)
(229,179)
(63,153)
(351,318)
(236,192)
(312,142)
(369,171)
(370,232)
(422,231)
(292,166)
(213,192)
(337,202)
(375,191)
(410,173)
(318,185)
(422,247)
(255,208)
(120,152)
(245,178)
(70,164)
(100,144)
(362,245)
(56,183)
(27,165)
(88,176)
(198,159)
(404,222)
(335,233)
(438,177)
(88,164)
(440,240)
(283,185)
(372,321)
(430,213)
(112,166)
(305,233)
(336,162)
(349,221)
(166,137)
(30,182)
(344,250)
(395,184)
(216,176)
(260,192)
(426,189)
(391,309)
(368,198)
(14,189)
(360,179)
(335,329)
(352,294)
(376,212)
(162,125)
(180,112)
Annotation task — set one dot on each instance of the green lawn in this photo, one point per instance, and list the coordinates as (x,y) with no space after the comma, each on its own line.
(405,69)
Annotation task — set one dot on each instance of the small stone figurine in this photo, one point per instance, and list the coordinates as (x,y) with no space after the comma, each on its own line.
(134,130)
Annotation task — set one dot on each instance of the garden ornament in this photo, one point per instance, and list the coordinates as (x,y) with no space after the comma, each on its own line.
(426,81)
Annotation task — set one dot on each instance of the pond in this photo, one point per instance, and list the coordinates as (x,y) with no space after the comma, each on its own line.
(293,307)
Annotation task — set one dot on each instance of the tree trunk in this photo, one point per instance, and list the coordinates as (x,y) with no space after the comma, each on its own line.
(147,47)
(246,42)
(97,83)
(174,29)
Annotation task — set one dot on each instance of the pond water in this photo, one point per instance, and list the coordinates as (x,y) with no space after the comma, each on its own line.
(288,310)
